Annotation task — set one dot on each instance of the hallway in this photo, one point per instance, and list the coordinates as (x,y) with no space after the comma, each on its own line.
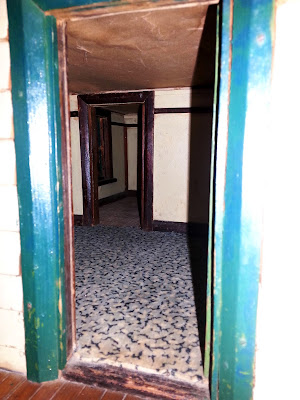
(135,302)
(123,212)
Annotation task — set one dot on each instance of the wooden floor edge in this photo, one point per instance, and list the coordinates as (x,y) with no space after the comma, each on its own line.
(136,383)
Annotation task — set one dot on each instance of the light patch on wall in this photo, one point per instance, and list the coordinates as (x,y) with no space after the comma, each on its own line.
(76,167)
(186,97)
(171,167)
(182,145)
(278,328)
(73,102)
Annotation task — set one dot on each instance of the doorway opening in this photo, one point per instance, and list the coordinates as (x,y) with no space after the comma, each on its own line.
(141,293)
(112,142)
(121,207)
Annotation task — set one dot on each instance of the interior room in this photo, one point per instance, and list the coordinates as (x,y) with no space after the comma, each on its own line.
(118,171)
(140,260)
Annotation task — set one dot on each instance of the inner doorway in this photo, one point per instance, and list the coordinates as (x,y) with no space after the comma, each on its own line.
(90,109)
(120,204)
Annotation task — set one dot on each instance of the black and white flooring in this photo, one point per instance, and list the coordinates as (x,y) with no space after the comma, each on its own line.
(135,303)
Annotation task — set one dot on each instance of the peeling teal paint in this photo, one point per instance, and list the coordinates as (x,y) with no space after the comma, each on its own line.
(238,230)
(221,149)
(34,78)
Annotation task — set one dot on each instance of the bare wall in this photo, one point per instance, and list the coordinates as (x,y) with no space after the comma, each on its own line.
(182,157)
(76,167)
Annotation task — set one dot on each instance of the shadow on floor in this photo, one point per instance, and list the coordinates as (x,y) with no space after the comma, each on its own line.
(198,243)
(200,165)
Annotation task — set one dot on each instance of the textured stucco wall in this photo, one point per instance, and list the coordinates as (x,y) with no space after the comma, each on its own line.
(12,337)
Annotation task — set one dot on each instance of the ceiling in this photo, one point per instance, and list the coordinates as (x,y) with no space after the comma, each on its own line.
(142,49)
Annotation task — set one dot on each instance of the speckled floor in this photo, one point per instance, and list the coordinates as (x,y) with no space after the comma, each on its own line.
(135,303)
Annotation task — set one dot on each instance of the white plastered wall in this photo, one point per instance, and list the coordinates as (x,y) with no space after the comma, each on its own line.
(76,167)
(278,327)
(181,175)
(76,159)
(12,336)
(132,150)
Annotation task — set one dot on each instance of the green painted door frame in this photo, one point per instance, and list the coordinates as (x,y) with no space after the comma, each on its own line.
(242,97)
(245,65)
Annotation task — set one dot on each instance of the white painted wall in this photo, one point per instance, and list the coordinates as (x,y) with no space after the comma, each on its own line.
(76,167)
(171,167)
(132,150)
(185,97)
(12,336)
(73,102)
(181,193)
(278,326)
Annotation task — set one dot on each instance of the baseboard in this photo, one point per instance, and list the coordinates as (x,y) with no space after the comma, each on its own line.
(116,197)
(112,198)
(195,228)
(137,383)
(181,227)
(168,226)
(131,193)
(78,220)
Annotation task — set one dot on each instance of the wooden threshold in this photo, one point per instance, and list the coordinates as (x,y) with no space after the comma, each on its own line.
(137,383)
(15,386)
